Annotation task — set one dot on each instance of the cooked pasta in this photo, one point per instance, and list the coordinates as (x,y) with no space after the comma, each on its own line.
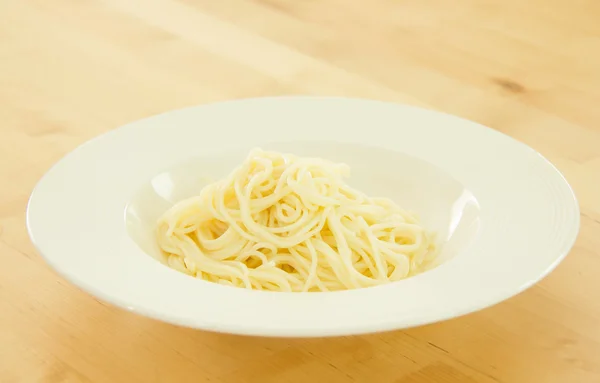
(285,223)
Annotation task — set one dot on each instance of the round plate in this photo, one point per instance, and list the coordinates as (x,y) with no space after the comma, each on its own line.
(505,216)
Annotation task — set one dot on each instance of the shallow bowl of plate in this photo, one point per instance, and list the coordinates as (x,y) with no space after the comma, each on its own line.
(504,216)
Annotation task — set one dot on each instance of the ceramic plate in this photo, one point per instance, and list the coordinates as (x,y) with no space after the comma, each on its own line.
(505,217)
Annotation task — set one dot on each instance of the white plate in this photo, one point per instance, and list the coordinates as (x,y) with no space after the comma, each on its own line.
(505,216)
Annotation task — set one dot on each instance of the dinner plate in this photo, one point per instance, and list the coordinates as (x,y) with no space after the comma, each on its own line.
(504,216)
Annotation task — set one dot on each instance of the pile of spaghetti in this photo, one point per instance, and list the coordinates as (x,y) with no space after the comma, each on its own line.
(285,223)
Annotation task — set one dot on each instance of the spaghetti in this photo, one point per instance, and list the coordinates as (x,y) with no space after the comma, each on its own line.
(285,223)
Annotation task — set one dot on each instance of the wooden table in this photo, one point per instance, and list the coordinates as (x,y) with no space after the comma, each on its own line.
(70,70)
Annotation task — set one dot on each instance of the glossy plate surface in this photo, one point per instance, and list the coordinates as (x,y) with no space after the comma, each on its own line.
(505,217)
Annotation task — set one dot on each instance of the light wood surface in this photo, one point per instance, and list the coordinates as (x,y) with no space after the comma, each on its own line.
(70,70)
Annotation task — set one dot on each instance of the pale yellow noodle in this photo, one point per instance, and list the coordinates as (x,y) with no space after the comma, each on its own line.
(285,223)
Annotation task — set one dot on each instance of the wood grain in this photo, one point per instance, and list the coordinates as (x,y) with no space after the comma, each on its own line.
(72,69)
